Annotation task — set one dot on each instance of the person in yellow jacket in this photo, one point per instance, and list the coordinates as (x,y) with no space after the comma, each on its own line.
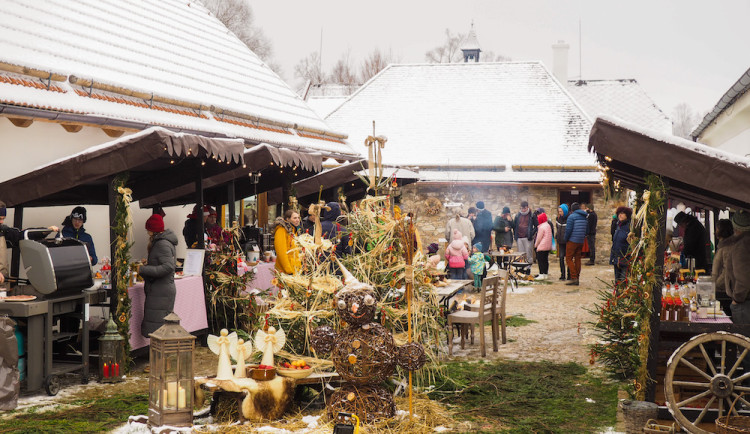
(287,257)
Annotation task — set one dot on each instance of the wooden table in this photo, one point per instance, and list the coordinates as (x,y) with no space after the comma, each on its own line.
(454,286)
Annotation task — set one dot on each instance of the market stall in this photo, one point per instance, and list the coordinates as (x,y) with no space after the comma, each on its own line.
(691,367)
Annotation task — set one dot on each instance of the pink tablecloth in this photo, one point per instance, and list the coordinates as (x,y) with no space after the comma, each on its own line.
(711,319)
(263,276)
(189,305)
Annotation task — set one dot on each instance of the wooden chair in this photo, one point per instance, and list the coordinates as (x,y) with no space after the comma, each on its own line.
(502,295)
(488,297)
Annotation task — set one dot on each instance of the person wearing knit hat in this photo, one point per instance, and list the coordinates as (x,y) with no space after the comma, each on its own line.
(618,252)
(575,235)
(476,264)
(503,227)
(72,227)
(592,220)
(561,222)
(695,240)
(482,227)
(543,245)
(433,248)
(730,271)
(524,228)
(158,275)
(192,227)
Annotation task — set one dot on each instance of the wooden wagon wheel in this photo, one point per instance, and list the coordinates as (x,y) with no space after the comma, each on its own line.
(705,357)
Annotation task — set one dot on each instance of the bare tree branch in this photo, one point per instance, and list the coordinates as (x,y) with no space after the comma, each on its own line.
(238,16)
(684,119)
(309,69)
(449,52)
(375,62)
(343,71)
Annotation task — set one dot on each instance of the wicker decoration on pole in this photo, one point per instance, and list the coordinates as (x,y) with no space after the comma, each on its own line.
(364,354)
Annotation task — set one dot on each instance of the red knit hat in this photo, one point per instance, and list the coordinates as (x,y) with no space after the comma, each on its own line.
(155,223)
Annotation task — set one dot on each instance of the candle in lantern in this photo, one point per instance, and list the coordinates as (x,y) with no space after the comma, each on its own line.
(172,394)
(164,395)
(117,369)
(105,370)
(181,399)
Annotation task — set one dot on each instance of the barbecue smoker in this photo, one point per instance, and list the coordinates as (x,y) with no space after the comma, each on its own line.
(55,267)
(59,275)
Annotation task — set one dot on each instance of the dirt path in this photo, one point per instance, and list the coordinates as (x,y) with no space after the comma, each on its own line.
(561,332)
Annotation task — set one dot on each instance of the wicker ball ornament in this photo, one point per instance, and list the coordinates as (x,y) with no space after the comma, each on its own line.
(364,354)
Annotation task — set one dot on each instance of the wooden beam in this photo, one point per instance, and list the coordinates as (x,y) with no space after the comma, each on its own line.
(21,122)
(112,132)
(262,200)
(72,128)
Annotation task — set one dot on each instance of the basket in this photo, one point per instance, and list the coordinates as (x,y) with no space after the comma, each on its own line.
(637,413)
(733,424)
(652,427)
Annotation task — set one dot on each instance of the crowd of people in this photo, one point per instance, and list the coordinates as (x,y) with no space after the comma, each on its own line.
(570,234)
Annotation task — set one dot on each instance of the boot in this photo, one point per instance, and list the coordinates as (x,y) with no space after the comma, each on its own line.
(573,282)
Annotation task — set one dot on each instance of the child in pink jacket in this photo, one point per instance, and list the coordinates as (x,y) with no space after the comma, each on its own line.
(456,255)
(543,245)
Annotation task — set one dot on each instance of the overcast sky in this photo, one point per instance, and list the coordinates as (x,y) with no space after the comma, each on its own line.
(679,50)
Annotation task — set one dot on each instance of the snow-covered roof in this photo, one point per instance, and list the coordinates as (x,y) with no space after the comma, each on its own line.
(700,148)
(470,42)
(324,105)
(479,115)
(739,88)
(624,99)
(509,177)
(175,50)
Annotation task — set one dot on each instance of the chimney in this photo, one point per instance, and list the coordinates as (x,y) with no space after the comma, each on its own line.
(560,61)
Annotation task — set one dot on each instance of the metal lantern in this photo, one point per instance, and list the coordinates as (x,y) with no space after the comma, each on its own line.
(111,355)
(170,397)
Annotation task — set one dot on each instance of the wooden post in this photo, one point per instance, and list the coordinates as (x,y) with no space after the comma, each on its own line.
(262,201)
(231,204)
(199,202)
(15,262)
(653,353)
(112,202)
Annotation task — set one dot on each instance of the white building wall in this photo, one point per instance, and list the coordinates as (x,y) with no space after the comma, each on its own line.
(25,149)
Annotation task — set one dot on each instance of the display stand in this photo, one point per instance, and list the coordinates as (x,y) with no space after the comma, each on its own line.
(43,368)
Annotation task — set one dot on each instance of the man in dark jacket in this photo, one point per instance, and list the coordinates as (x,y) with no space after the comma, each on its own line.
(503,227)
(482,227)
(575,233)
(192,227)
(695,241)
(524,228)
(73,228)
(620,245)
(592,219)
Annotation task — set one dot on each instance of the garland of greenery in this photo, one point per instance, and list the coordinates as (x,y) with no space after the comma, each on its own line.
(624,326)
(121,261)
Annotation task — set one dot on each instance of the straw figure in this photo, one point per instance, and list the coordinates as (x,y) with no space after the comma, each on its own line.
(223,345)
(364,354)
(269,343)
(242,351)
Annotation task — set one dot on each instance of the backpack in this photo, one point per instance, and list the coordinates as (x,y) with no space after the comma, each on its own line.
(456,262)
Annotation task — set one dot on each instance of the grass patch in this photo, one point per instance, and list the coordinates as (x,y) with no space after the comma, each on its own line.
(517,321)
(85,416)
(514,397)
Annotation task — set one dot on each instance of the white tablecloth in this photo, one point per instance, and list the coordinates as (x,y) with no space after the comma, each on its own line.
(189,305)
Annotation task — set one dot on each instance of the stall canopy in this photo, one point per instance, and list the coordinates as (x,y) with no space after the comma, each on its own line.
(693,171)
(346,176)
(273,164)
(156,160)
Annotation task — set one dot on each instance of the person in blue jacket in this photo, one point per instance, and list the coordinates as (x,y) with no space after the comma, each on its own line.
(618,254)
(575,233)
(73,228)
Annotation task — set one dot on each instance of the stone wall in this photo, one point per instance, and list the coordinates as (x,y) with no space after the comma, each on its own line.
(416,198)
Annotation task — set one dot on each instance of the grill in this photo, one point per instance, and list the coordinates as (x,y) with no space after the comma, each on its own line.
(56,267)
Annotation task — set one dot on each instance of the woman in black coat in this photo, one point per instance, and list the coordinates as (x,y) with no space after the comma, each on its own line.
(158,275)
(620,245)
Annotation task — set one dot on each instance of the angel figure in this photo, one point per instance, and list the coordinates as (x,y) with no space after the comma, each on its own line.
(241,352)
(223,345)
(269,342)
